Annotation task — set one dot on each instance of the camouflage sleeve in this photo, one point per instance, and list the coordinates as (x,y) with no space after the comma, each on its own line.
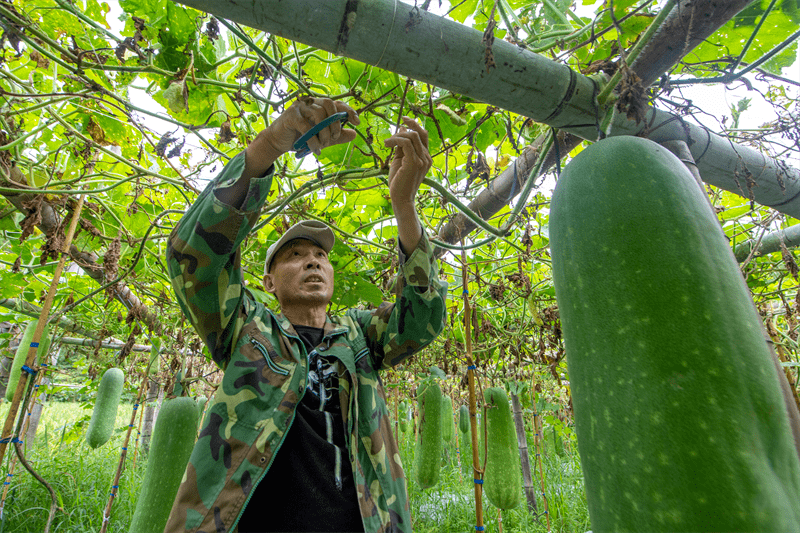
(395,331)
(203,258)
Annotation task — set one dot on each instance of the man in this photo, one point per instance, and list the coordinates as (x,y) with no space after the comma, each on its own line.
(299,437)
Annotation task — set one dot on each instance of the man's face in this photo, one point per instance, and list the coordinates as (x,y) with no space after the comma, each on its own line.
(300,273)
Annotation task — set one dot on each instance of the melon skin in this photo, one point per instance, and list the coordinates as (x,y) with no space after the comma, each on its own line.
(465,441)
(680,421)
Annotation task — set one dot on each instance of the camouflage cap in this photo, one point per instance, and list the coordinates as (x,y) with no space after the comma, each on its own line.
(315,231)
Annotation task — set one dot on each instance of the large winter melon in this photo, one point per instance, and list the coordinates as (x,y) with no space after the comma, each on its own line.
(680,420)
(173,439)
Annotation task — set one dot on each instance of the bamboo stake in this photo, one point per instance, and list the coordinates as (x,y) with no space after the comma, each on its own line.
(7,484)
(7,434)
(473,425)
(458,455)
(537,449)
(524,456)
(34,397)
(138,434)
(123,455)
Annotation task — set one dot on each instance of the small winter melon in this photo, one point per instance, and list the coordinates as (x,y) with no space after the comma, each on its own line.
(105,407)
(447,420)
(463,419)
(428,451)
(502,480)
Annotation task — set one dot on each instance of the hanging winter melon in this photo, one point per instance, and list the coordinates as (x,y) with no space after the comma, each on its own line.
(105,407)
(173,438)
(502,480)
(21,354)
(428,450)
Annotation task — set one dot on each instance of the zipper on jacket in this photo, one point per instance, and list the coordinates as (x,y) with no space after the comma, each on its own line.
(270,363)
(258,346)
(280,444)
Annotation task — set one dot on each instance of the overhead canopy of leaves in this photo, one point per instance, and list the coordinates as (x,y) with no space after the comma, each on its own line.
(138,104)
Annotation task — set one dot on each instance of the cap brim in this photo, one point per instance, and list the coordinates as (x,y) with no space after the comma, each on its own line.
(313,230)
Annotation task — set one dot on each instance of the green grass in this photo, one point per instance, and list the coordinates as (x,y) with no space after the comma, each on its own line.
(82,477)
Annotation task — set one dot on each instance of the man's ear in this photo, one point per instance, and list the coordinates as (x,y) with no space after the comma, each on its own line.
(269,283)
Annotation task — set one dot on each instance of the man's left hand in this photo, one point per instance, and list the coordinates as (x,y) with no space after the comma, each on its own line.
(410,165)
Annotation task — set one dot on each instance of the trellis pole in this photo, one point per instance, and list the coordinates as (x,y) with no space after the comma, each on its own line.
(473,424)
(394,35)
(7,434)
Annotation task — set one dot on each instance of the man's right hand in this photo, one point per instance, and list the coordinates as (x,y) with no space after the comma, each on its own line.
(280,136)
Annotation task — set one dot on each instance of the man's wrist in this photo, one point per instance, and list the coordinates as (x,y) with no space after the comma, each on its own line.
(409,229)
(405,211)
(260,155)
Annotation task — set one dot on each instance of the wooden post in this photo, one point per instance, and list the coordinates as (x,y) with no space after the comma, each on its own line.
(7,434)
(473,425)
(149,414)
(138,434)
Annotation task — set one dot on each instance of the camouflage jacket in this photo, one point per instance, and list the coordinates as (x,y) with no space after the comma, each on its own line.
(266,370)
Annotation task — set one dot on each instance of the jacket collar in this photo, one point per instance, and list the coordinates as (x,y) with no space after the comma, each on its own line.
(331,328)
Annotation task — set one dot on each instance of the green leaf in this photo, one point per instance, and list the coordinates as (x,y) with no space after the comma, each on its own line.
(151,11)
(11,222)
(367,291)
(13,284)
(462,9)
(437,372)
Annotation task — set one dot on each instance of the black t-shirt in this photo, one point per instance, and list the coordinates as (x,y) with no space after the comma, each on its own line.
(310,485)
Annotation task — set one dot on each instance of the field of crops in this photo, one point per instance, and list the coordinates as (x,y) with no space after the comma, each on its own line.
(82,479)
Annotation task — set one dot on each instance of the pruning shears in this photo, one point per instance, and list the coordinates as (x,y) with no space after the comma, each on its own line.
(301,145)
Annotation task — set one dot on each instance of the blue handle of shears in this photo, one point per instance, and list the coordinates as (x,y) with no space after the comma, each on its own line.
(301,145)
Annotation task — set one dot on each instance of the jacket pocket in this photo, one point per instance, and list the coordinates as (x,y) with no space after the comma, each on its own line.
(271,356)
